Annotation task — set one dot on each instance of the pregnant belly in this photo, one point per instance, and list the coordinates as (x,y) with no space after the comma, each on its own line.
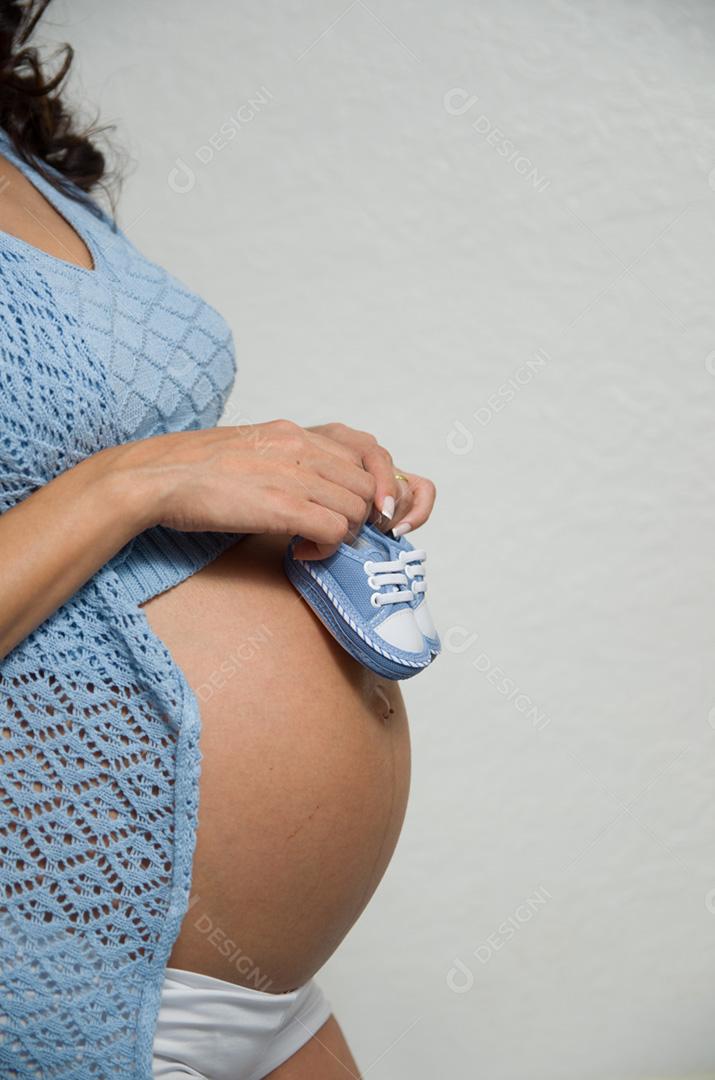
(304,775)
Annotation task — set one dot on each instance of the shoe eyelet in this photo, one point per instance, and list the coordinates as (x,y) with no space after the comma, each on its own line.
(374,600)
(372,583)
(368,566)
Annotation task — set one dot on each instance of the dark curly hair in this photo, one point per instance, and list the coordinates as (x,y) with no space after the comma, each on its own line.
(32,111)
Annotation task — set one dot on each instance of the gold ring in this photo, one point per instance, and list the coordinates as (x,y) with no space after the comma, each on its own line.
(399,476)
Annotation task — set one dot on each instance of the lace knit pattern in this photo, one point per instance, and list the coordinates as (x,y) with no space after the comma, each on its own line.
(99,753)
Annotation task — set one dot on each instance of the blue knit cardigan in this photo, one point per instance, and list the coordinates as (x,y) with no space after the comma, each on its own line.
(99,755)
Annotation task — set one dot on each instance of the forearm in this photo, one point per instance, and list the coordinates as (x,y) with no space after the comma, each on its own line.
(52,542)
(259,478)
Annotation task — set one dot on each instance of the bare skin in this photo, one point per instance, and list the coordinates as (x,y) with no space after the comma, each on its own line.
(26,214)
(305,770)
(305,767)
(326,1056)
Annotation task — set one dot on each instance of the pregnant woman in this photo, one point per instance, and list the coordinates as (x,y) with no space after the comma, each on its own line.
(199,789)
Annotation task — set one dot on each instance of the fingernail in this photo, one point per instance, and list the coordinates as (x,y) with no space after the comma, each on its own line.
(401,529)
(388,507)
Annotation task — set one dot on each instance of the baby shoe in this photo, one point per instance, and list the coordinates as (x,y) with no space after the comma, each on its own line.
(362,596)
(413,560)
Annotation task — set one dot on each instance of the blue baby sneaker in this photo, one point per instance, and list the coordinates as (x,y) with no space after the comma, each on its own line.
(362,596)
(413,560)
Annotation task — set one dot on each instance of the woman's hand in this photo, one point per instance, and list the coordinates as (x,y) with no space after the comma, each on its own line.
(403,501)
(272,478)
(258,478)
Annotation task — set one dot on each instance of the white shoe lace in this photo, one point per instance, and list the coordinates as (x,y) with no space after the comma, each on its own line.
(413,562)
(387,573)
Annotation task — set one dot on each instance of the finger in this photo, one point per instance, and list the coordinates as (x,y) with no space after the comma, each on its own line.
(337,449)
(403,506)
(317,524)
(352,438)
(379,464)
(341,471)
(330,495)
(309,550)
(424,494)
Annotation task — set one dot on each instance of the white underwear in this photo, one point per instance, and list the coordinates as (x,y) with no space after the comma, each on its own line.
(216,1030)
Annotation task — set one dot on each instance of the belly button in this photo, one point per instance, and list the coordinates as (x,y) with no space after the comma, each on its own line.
(384,707)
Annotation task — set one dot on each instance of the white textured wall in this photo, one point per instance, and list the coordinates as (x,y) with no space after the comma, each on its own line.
(395,262)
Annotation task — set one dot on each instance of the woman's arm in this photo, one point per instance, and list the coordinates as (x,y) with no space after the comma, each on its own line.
(274,477)
(58,537)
